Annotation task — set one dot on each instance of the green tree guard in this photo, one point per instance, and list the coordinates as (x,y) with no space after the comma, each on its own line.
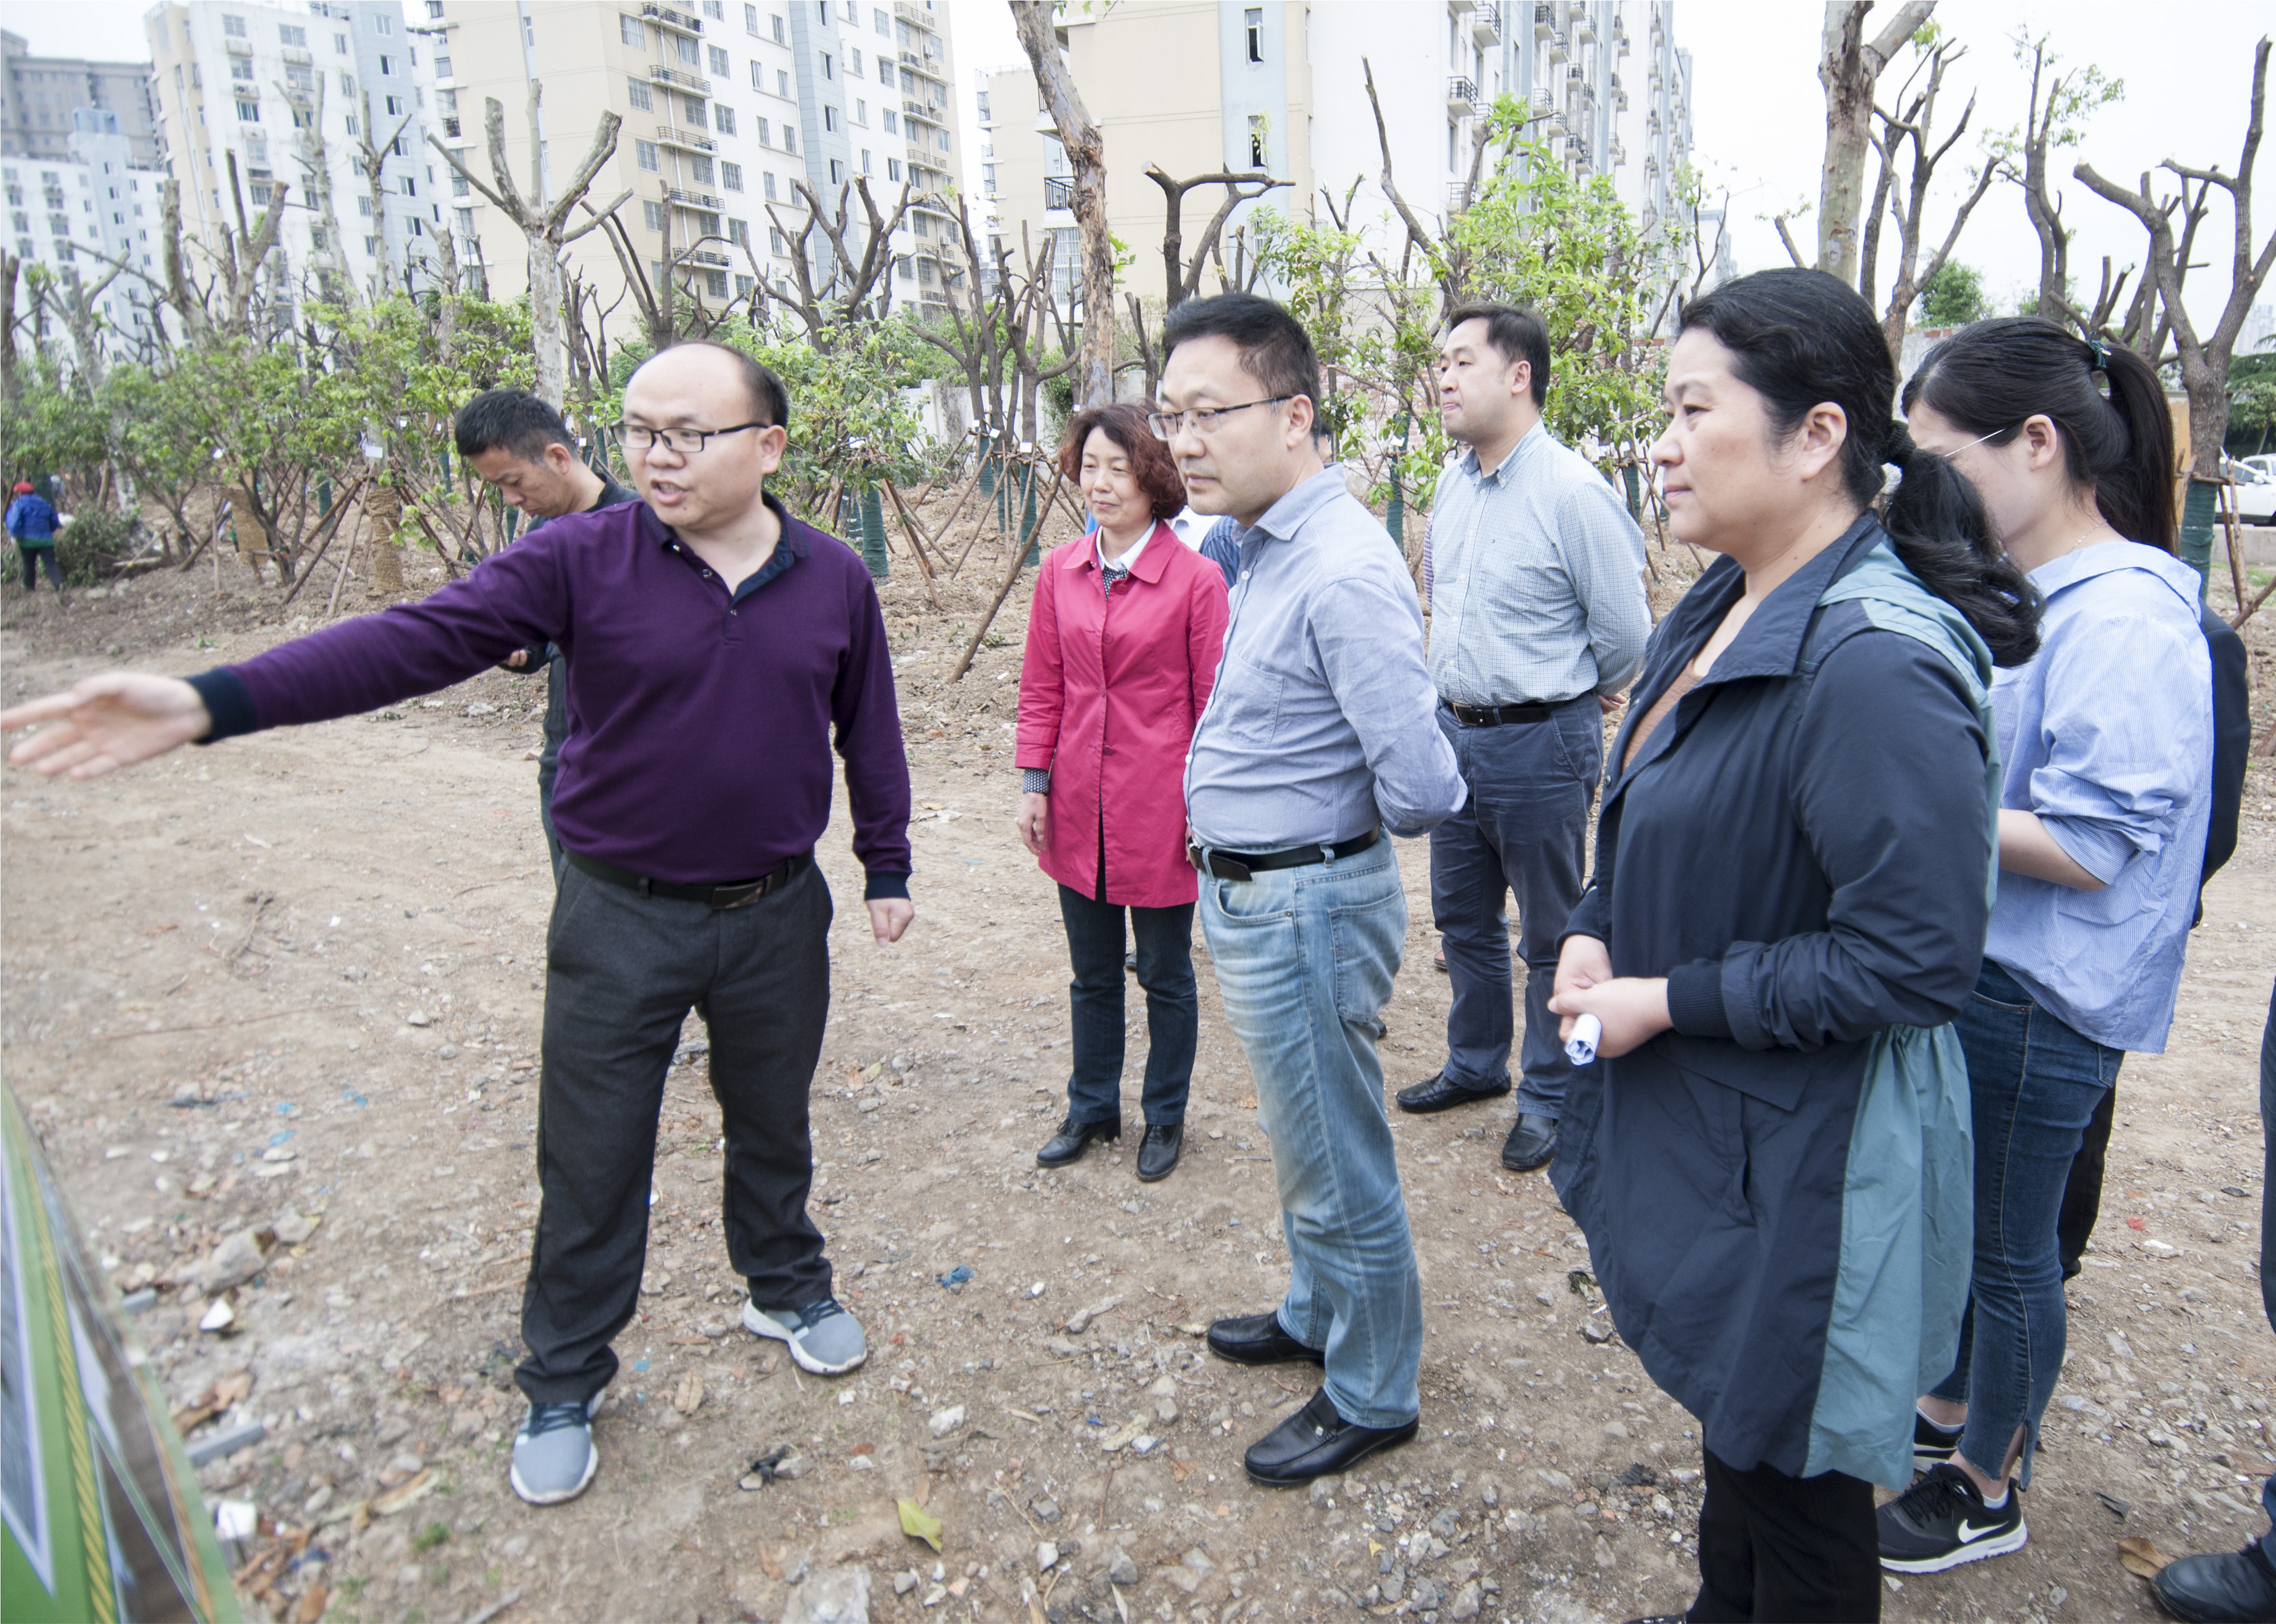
(1394,514)
(323,497)
(873,533)
(2197,514)
(1028,526)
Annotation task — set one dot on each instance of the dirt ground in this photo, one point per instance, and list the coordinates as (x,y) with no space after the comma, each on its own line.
(295,980)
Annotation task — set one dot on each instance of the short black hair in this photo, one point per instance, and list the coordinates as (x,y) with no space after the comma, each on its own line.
(770,400)
(1275,349)
(1517,334)
(511,420)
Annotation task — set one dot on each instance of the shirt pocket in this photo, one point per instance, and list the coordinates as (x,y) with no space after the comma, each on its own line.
(1246,702)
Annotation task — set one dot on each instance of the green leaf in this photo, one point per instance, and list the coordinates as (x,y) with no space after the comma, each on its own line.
(917,1523)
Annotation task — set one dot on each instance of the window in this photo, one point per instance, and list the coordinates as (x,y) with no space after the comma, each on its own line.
(765,138)
(434,11)
(770,185)
(442,67)
(695,114)
(723,118)
(466,222)
(629,30)
(828,70)
(400,146)
(387,67)
(892,122)
(924,273)
(1256,140)
(750,19)
(715,282)
(261,191)
(717,59)
(882,23)
(233,27)
(739,231)
(247,113)
(363,204)
(353,126)
(714,9)
(301,77)
(867,167)
(303,119)
(905,268)
(860,111)
(700,167)
(636,92)
(837,173)
(347,84)
(382,23)
(288,34)
(780,39)
(256,149)
(983,107)
(940,140)
(652,213)
(339,44)
(790,138)
(459,186)
(689,55)
(1255,18)
(743,286)
(828,118)
(853,60)
(731,176)
(892,169)
(410,187)
(758,77)
(644,157)
(371,245)
(241,68)
(775,240)
(394,107)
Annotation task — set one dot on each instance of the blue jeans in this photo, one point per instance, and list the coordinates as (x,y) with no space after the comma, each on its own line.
(1524,828)
(2034,1083)
(1165,970)
(1305,959)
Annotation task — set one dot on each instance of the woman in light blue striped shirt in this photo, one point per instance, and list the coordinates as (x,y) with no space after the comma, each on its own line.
(2106,745)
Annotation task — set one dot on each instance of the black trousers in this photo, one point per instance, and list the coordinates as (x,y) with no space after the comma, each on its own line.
(622,971)
(1165,970)
(1787,1550)
(2081,1202)
(38,558)
(549,758)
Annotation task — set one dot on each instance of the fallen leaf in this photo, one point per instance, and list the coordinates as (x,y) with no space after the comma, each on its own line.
(768,1565)
(2142,1558)
(395,1498)
(918,1523)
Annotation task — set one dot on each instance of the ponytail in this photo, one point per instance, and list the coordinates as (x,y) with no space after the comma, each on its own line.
(1802,338)
(1996,376)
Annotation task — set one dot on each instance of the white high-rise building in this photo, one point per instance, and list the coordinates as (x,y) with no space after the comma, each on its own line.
(80,215)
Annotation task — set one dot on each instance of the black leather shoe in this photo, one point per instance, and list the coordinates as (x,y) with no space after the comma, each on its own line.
(1438,1092)
(1258,1339)
(1072,1139)
(1157,1152)
(1317,1442)
(1530,1144)
(2234,1589)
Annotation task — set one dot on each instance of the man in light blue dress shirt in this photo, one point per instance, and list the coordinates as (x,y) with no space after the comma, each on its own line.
(1537,614)
(1318,736)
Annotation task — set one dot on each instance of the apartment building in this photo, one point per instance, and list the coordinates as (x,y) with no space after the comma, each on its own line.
(39,94)
(296,95)
(82,213)
(1200,86)
(726,106)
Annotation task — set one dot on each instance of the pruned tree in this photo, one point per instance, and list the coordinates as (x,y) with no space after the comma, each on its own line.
(74,302)
(371,159)
(1086,154)
(544,223)
(238,261)
(188,300)
(858,286)
(1181,278)
(976,336)
(1909,202)
(2054,117)
(1849,66)
(2204,358)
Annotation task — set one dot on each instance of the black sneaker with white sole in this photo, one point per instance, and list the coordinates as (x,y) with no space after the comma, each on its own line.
(1932,1446)
(1942,1521)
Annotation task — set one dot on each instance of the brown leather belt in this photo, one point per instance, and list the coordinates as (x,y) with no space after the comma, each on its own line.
(1248,865)
(1495,716)
(732,895)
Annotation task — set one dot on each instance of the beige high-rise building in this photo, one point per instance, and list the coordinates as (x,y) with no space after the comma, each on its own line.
(1202,86)
(725,106)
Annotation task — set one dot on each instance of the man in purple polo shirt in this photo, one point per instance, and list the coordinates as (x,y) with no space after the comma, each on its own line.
(714,645)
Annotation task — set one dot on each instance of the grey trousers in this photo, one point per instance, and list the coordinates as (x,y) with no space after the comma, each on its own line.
(622,971)
(1524,829)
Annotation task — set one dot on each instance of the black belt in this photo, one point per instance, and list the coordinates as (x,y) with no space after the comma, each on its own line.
(1494,715)
(1247,865)
(733,895)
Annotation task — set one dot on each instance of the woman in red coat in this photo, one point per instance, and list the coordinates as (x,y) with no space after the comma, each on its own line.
(1122,647)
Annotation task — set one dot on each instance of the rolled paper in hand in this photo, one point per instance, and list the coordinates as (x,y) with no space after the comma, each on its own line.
(1580,1048)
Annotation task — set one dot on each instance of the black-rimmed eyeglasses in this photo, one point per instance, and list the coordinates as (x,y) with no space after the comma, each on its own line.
(1200,420)
(686,441)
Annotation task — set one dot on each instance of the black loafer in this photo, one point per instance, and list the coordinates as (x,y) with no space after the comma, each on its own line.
(1258,1339)
(1157,1152)
(1530,1144)
(1072,1139)
(2202,1590)
(1317,1442)
(1436,1094)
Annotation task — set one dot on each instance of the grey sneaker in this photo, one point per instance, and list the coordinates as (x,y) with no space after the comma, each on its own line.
(824,1338)
(553,1453)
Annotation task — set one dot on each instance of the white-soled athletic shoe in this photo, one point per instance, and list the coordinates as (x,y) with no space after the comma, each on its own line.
(553,1453)
(1942,1521)
(824,1338)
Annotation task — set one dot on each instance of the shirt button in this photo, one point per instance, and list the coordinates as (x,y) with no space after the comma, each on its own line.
(706,575)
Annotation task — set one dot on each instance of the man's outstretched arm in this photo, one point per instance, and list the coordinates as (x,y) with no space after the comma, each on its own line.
(106,722)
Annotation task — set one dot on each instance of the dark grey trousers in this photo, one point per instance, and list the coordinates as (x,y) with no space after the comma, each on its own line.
(1524,829)
(622,972)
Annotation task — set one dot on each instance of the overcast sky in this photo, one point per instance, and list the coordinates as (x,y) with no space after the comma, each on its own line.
(1759,116)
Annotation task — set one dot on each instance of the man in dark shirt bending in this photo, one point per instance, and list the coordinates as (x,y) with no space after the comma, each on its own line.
(714,645)
(520,444)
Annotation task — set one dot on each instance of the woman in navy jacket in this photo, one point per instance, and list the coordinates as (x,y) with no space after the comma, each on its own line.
(1794,867)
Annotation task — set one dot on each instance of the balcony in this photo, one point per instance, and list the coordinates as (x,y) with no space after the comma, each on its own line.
(1544,103)
(1059,193)
(680,22)
(668,136)
(1619,96)
(662,75)
(695,200)
(1584,32)
(706,256)
(1543,26)
(296,56)
(1462,97)
(928,64)
(1458,197)
(1557,49)
(912,13)
(1456,7)
(1485,24)
(1619,37)
(450,129)
(929,111)
(236,47)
